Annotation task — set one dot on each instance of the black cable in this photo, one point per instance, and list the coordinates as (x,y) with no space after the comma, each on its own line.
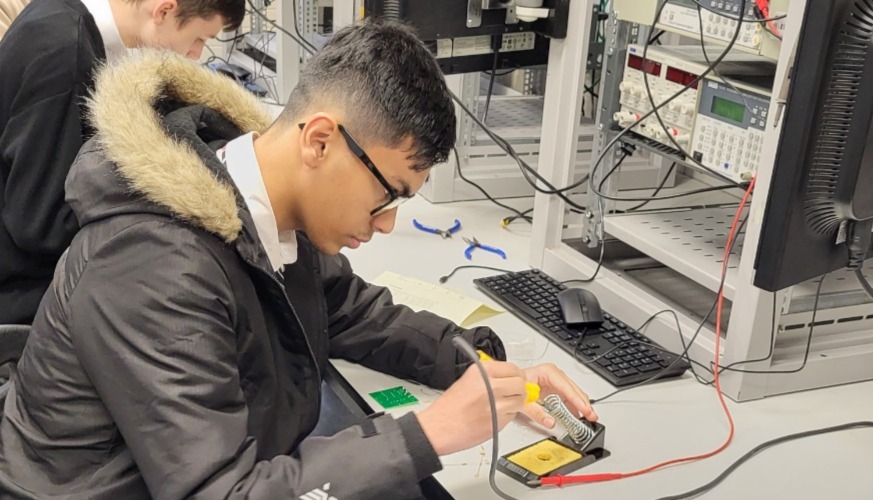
(659,198)
(600,233)
(524,216)
(593,189)
(297,28)
(684,353)
(715,71)
(526,170)
(770,31)
(303,43)
(482,190)
(233,38)
(447,277)
(808,342)
(468,350)
(730,367)
(859,273)
(502,73)
(769,354)
(590,91)
(761,447)
(738,19)
(596,269)
(686,348)
(651,97)
(657,190)
(491,83)
(260,73)
(613,169)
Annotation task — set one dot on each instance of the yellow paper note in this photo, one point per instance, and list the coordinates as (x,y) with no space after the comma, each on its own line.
(421,296)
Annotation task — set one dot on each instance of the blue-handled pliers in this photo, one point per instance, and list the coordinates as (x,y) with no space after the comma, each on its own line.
(474,243)
(445,233)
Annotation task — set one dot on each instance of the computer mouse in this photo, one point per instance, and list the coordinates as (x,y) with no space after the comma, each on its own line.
(580,307)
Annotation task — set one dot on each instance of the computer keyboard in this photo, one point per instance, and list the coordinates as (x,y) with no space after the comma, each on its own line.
(622,355)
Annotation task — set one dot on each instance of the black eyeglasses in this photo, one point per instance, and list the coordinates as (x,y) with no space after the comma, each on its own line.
(394,198)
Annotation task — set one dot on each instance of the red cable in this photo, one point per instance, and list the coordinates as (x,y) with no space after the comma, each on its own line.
(559,480)
(764,7)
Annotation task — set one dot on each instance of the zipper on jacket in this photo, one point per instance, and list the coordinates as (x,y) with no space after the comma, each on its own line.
(296,317)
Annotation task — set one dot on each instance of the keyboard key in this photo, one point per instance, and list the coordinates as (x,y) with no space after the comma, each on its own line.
(603,362)
(648,367)
(521,306)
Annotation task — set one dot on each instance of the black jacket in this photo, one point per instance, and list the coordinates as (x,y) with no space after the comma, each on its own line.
(47,60)
(169,359)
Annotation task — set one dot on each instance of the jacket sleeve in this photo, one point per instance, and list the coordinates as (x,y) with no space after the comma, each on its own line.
(151,317)
(39,144)
(368,328)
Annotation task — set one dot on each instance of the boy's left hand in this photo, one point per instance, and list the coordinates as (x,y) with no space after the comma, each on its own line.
(552,380)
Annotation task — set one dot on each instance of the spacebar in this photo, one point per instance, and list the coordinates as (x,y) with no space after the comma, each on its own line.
(516,302)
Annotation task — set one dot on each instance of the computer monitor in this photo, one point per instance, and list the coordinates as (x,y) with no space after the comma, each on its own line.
(819,211)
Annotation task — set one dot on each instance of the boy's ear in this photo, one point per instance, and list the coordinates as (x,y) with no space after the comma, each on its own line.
(163,9)
(317,138)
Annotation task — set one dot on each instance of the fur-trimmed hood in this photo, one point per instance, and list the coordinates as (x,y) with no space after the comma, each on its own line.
(156,156)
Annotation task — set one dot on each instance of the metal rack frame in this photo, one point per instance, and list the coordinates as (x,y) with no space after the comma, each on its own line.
(686,244)
(290,57)
(519,120)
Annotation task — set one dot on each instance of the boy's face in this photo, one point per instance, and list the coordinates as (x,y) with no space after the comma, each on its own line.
(339,214)
(189,40)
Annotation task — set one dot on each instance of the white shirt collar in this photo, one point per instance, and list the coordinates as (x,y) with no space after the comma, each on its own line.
(102,14)
(242,165)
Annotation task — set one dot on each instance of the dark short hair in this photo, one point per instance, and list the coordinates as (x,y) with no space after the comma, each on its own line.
(231,11)
(387,84)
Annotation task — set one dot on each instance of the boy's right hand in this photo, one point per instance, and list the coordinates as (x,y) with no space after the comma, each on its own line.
(461,416)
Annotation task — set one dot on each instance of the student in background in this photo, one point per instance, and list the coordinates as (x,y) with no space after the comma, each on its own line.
(47,63)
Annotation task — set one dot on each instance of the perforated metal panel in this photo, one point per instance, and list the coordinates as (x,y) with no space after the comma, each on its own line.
(518,118)
(691,242)
(840,289)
